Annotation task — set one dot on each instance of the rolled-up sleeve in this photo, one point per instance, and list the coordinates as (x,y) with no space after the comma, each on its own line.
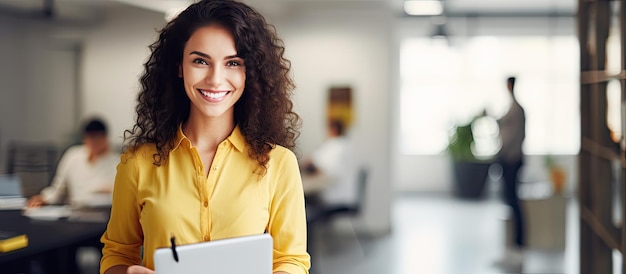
(288,219)
(58,187)
(123,238)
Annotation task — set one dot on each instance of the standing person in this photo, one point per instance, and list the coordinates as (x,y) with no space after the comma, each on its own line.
(512,133)
(209,155)
(85,173)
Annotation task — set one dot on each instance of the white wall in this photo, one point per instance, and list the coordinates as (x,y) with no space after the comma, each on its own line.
(9,84)
(112,61)
(346,47)
(56,73)
(38,83)
(433,173)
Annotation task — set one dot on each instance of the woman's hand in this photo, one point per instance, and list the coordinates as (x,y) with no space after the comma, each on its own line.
(137,269)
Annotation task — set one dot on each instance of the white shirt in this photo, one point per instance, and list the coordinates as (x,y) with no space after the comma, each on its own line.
(335,159)
(82,180)
(512,132)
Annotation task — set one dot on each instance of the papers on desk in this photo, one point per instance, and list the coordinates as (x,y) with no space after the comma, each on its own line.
(55,212)
(12,203)
(90,216)
(314,183)
(50,212)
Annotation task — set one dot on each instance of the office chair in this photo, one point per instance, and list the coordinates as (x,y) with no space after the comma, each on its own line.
(35,164)
(325,213)
(331,211)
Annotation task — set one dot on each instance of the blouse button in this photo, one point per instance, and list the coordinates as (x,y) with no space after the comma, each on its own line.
(206,238)
(206,204)
(215,168)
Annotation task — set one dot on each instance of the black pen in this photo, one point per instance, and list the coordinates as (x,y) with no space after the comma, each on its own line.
(173,241)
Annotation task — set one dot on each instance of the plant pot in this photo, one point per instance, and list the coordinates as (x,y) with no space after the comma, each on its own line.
(470,179)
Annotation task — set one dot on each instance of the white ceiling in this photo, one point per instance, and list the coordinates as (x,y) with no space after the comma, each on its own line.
(455,6)
(513,6)
(459,7)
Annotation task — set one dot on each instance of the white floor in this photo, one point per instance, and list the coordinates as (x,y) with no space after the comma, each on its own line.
(440,234)
(433,234)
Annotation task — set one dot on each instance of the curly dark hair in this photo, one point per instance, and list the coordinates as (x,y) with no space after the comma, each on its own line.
(264,113)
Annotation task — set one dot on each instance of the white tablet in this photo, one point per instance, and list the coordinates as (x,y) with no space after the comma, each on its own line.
(241,255)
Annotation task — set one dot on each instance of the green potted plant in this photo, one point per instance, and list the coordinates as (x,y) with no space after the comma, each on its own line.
(470,168)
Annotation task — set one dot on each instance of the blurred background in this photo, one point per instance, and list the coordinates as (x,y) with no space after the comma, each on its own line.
(415,69)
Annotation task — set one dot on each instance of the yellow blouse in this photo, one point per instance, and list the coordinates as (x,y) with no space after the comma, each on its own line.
(152,203)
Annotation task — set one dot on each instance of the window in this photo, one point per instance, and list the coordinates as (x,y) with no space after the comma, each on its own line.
(443,85)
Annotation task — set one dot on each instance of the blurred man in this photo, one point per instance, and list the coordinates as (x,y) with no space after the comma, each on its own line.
(512,133)
(85,173)
(334,161)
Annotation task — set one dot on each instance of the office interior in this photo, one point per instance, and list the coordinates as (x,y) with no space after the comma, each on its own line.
(413,78)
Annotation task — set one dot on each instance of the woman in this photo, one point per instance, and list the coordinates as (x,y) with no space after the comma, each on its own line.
(209,156)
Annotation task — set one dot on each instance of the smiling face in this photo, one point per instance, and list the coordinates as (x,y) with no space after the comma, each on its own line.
(213,74)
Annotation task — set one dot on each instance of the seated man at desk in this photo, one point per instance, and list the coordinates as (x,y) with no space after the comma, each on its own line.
(330,171)
(85,173)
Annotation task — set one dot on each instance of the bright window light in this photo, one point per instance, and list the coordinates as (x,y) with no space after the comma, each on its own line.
(423,7)
(443,86)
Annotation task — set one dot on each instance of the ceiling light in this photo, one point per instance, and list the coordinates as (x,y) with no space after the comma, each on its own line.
(423,7)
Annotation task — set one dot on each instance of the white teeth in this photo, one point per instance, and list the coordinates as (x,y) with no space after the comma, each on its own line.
(214,95)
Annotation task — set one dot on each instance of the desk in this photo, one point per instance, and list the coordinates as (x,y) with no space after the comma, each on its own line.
(314,183)
(46,236)
(545,219)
